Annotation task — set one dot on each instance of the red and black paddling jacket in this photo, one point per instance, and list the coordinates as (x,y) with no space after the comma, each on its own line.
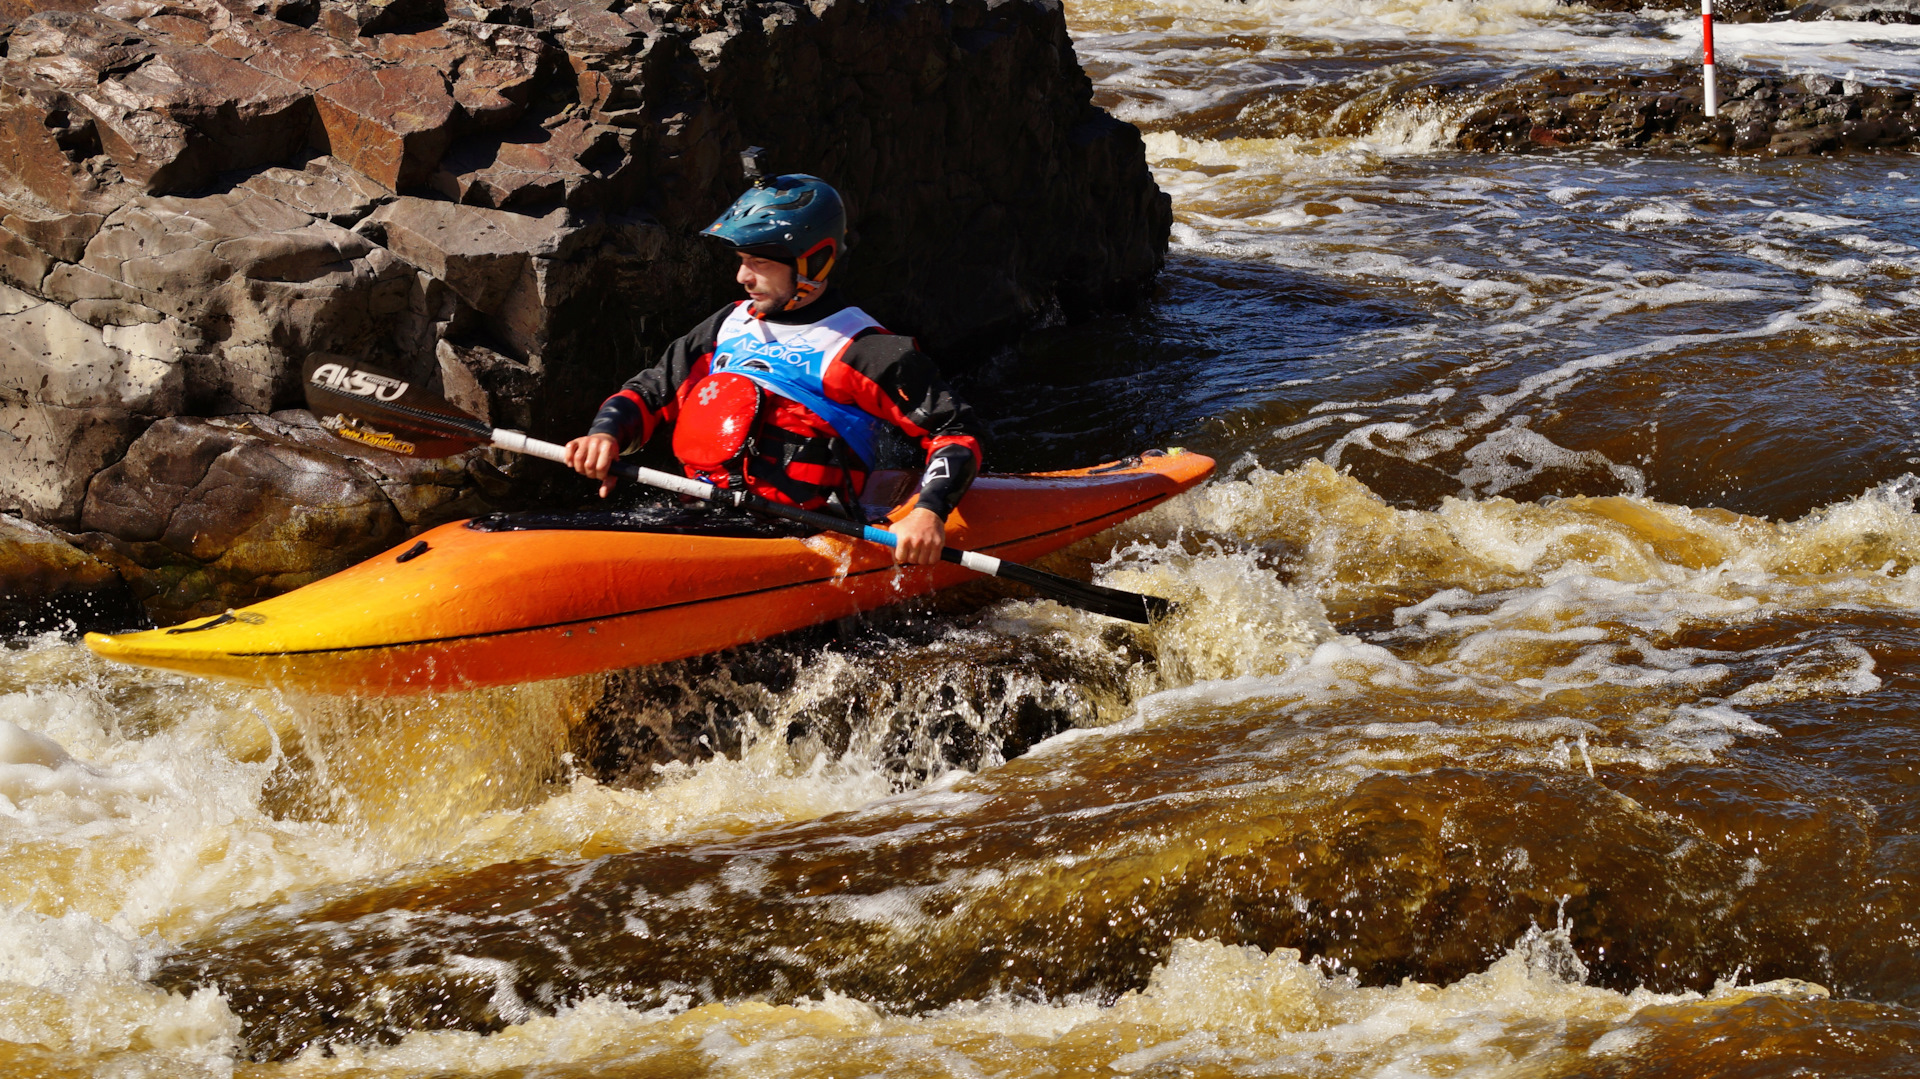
(797,457)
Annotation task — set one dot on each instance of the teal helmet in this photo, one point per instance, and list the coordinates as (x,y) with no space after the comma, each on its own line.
(797,219)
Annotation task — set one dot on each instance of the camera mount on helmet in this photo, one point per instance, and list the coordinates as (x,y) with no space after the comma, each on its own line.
(752,166)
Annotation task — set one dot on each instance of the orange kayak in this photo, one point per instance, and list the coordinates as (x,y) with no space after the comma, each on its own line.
(523,597)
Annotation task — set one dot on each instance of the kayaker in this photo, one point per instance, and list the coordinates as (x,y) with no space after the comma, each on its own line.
(790,390)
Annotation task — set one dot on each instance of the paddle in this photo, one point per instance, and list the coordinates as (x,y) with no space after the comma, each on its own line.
(381,409)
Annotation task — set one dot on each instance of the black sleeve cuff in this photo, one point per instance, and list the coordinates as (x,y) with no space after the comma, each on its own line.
(619,418)
(946,480)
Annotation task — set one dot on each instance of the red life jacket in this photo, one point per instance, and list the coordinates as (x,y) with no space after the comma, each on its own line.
(714,435)
(764,372)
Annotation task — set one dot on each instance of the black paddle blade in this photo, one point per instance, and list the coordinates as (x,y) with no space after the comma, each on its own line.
(374,407)
(1112,602)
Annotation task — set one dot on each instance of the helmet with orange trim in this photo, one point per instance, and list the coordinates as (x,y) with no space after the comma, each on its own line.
(796,219)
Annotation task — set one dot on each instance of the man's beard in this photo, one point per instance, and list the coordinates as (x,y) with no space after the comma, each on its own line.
(775,304)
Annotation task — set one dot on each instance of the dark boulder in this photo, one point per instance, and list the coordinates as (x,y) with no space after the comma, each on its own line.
(202,514)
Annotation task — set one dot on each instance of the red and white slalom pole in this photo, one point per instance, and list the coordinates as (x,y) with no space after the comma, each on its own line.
(1706,42)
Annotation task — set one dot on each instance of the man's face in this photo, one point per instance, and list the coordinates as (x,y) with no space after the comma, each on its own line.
(769,283)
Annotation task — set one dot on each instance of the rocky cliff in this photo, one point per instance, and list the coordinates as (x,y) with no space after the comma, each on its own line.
(496,196)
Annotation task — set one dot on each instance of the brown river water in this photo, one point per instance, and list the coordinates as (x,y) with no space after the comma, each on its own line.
(1544,700)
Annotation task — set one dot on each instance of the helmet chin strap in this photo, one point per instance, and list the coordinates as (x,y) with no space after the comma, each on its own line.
(806,286)
(804,290)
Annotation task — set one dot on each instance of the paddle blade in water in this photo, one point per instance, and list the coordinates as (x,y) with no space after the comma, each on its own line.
(375,407)
(1112,602)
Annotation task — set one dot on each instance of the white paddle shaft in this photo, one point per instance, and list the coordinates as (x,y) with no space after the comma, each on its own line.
(516,442)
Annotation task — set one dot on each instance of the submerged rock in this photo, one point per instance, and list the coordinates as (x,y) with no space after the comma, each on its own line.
(498,198)
(1067,875)
(908,698)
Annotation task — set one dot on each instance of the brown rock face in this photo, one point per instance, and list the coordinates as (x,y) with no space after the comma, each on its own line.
(95,99)
(46,581)
(497,196)
(70,402)
(188,114)
(204,513)
(512,269)
(390,124)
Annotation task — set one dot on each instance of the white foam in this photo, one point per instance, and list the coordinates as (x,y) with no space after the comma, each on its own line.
(164,823)
(1839,48)
(1209,1006)
(501,974)
(1515,455)
(73,985)
(1345,20)
(1521,31)
(21,747)
(1758,38)
(1812,222)
(1579,595)
(1657,214)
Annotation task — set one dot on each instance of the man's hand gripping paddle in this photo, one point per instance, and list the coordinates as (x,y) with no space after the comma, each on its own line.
(375,407)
